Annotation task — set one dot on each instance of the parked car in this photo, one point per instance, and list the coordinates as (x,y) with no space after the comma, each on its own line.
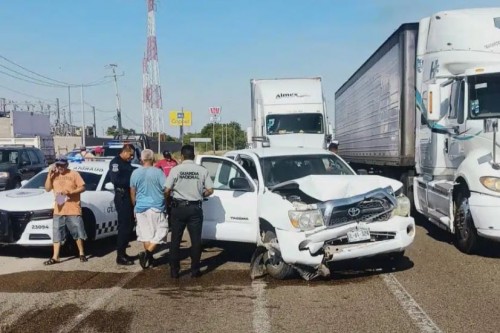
(304,208)
(18,163)
(26,213)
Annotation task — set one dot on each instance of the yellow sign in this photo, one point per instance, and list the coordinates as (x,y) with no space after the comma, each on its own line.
(178,118)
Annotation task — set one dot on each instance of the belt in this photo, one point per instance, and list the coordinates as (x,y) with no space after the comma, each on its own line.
(184,203)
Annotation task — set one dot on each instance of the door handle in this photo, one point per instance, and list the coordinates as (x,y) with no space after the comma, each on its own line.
(205,199)
(446,146)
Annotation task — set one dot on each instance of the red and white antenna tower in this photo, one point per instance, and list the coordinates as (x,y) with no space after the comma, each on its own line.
(151,100)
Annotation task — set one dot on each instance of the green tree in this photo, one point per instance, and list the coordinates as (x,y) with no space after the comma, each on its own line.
(113,130)
(236,137)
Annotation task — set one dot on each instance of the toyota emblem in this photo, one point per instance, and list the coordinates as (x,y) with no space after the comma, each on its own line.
(354,211)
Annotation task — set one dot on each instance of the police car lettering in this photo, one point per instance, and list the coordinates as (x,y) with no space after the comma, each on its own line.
(88,168)
(114,167)
(189,175)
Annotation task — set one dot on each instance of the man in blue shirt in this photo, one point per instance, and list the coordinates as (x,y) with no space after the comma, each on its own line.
(147,191)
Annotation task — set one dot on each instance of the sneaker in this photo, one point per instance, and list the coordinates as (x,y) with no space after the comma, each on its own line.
(143,260)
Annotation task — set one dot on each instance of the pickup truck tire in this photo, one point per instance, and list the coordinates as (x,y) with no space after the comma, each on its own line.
(466,238)
(276,267)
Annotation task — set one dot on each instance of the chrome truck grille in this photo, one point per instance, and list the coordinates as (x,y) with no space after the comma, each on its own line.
(372,206)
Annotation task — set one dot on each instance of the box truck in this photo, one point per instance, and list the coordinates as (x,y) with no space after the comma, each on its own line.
(288,113)
(423,109)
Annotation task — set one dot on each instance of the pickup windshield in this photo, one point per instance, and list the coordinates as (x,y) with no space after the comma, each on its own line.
(484,96)
(279,169)
(294,123)
(91,181)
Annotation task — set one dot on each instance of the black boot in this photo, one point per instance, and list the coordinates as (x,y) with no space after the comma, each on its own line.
(124,260)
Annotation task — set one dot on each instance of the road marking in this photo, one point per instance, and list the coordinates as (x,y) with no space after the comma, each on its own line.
(260,321)
(421,319)
(99,303)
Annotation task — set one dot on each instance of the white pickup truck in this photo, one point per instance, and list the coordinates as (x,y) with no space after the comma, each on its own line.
(304,208)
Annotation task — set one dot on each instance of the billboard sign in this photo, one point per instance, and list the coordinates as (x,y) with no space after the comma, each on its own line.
(178,118)
(214,110)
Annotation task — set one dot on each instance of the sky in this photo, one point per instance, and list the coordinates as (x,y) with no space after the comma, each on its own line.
(208,49)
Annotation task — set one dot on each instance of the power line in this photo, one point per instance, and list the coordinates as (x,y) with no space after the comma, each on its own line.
(27,76)
(59,84)
(28,95)
(32,72)
(34,82)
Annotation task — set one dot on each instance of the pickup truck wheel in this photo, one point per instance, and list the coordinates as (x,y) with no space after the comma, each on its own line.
(275,266)
(466,237)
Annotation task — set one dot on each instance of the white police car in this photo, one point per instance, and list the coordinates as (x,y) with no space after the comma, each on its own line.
(26,213)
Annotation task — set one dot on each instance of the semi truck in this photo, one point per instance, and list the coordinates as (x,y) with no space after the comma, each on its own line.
(288,113)
(423,109)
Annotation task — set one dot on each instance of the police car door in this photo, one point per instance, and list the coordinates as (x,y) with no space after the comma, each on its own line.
(230,213)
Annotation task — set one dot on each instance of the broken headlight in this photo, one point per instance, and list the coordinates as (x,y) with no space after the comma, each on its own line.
(306,219)
(403,207)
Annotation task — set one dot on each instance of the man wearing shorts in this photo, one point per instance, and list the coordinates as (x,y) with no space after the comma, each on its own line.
(147,191)
(67,186)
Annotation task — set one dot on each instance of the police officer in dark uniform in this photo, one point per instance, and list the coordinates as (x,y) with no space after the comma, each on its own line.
(121,171)
(189,183)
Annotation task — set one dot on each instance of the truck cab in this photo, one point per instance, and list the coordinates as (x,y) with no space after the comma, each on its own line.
(289,113)
(458,104)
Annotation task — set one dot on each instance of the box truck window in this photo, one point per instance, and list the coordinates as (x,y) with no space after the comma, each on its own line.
(484,96)
(294,123)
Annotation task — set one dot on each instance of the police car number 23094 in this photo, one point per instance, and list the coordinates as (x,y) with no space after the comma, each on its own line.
(26,214)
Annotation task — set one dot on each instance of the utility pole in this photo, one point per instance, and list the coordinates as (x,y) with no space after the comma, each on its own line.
(95,127)
(83,116)
(69,106)
(58,121)
(181,128)
(118,106)
(213,134)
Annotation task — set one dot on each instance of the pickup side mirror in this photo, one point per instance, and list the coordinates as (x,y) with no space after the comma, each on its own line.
(109,186)
(434,102)
(24,182)
(240,183)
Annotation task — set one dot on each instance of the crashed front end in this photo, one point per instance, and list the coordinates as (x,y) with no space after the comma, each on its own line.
(369,224)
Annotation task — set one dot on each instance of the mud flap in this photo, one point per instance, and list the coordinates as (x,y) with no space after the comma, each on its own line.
(257,266)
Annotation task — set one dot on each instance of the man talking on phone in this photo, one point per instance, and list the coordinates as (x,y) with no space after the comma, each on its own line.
(67,186)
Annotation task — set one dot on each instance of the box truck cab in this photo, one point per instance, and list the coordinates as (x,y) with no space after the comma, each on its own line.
(458,103)
(423,109)
(288,113)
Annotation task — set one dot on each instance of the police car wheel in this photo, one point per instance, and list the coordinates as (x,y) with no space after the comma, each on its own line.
(275,266)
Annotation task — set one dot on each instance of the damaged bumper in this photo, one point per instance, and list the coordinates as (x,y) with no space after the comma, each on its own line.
(332,244)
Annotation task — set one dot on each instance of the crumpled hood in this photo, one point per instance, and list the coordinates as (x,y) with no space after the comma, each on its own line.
(34,199)
(330,187)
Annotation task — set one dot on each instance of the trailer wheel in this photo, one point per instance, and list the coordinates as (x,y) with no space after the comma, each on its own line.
(275,266)
(466,238)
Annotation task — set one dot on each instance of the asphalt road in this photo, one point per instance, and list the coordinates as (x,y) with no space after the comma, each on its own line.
(434,289)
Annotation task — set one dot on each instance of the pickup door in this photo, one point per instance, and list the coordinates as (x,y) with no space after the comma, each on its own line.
(230,214)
